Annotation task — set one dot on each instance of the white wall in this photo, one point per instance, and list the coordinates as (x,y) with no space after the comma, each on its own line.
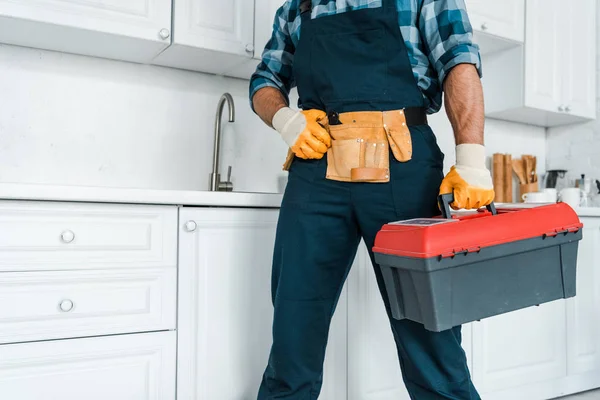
(74,120)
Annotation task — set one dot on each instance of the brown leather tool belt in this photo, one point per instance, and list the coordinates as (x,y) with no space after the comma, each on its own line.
(361,142)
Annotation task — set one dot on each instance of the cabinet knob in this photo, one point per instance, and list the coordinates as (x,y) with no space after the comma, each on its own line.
(67,236)
(66,305)
(191,226)
(568,108)
(164,33)
(250,48)
(484,26)
(561,108)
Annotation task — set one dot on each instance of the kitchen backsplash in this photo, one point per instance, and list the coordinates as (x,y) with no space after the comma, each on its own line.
(74,120)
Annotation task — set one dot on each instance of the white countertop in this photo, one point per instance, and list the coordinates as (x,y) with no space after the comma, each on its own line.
(20,191)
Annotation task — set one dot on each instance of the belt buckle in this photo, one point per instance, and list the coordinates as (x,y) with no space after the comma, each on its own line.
(334,118)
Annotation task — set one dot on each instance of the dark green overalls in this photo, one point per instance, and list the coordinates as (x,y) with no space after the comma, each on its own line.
(355,61)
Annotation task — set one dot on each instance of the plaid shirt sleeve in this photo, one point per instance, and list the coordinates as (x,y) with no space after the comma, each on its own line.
(448,36)
(275,69)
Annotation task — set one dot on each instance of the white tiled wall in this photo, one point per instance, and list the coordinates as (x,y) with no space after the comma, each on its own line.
(75,120)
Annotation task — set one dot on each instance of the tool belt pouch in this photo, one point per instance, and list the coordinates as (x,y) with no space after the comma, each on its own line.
(358,154)
(360,150)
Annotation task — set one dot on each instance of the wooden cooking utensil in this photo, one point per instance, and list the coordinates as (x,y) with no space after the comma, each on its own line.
(518,167)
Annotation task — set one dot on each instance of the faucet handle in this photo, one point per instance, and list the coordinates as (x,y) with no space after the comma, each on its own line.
(229,174)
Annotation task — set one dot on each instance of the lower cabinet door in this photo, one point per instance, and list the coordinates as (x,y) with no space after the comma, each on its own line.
(373,366)
(520,348)
(127,367)
(225,312)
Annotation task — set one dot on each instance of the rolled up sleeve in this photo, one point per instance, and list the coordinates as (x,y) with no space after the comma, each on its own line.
(448,36)
(275,68)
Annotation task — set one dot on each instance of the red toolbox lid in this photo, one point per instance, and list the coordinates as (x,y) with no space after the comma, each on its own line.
(469,232)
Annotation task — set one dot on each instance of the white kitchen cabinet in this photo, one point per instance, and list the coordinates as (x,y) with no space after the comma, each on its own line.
(69,304)
(127,367)
(373,365)
(583,318)
(225,310)
(210,36)
(264,18)
(497,25)
(520,348)
(551,81)
(132,30)
(37,235)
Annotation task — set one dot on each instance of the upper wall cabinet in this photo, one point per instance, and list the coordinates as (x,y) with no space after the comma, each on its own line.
(497,25)
(210,36)
(264,18)
(551,81)
(132,30)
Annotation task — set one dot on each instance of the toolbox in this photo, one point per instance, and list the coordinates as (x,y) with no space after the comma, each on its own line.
(454,269)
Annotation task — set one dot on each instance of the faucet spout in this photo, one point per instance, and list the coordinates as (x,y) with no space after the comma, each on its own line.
(215,180)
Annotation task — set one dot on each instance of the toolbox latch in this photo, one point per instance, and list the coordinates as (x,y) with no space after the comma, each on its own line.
(560,231)
(457,252)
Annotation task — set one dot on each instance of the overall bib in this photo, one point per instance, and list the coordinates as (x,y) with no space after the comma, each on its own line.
(349,65)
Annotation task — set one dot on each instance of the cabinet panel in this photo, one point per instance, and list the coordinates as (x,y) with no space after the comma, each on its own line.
(263,26)
(58,236)
(124,30)
(66,304)
(373,366)
(578,56)
(225,309)
(544,55)
(128,367)
(520,348)
(583,322)
(504,19)
(226,25)
(210,36)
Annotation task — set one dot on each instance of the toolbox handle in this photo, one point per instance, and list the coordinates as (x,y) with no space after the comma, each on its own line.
(444,201)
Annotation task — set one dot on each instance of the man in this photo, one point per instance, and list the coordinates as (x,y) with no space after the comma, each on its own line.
(362,155)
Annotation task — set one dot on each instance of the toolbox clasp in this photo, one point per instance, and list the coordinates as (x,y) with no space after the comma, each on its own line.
(457,252)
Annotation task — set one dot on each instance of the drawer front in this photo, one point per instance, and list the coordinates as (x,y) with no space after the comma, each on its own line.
(68,304)
(56,236)
(129,367)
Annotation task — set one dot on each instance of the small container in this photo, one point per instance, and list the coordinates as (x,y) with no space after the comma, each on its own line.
(447,271)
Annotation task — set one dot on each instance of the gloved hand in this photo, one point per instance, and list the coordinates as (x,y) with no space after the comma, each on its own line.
(302,132)
(469,180)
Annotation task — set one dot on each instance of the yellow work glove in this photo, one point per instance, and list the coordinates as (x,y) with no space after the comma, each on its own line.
(469,180)
(302,132)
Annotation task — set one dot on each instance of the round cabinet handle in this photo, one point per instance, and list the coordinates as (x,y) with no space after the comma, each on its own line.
(66,305)
(67,236)
(191,226)
(164,33)
(249,48)
(484,26)
(561,108)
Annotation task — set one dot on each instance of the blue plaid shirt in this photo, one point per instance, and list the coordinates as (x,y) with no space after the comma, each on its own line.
(437,34)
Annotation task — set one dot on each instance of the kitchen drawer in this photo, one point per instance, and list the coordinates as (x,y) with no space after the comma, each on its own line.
(127,367)
(68,304)
(59,236)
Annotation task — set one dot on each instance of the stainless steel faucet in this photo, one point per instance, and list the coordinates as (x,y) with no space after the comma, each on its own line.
(215,177)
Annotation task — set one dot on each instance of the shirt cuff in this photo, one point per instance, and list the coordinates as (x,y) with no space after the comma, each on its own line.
(260,82)
(460,54)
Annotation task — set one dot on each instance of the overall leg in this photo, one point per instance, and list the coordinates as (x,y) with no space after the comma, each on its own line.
(433,364)
(317,239)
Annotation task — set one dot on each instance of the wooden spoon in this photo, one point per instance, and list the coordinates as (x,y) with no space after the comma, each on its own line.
(517,164)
